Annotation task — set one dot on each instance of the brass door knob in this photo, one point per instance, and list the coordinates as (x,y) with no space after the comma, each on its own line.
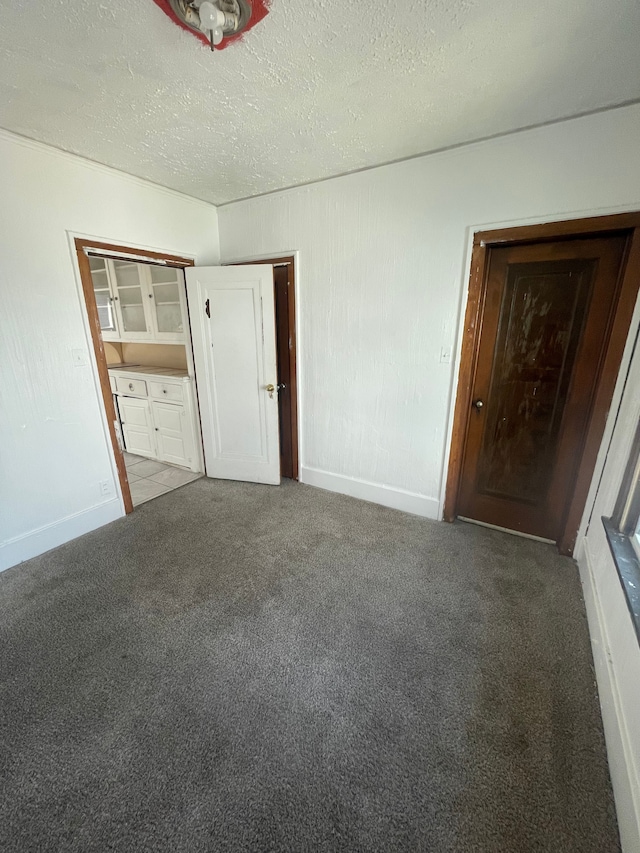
(270,388)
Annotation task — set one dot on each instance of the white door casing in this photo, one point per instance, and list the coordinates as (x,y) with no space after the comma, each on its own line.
(235,358)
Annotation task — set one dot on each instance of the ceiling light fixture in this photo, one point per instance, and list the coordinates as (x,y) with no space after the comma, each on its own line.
(216,18)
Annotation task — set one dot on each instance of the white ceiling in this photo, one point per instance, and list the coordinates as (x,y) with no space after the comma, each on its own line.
(318,88)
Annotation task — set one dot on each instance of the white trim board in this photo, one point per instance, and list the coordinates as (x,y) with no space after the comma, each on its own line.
(626,787)
(45,538)
(388,496)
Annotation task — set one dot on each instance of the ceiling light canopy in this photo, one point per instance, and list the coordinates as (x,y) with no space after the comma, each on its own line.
(216,18)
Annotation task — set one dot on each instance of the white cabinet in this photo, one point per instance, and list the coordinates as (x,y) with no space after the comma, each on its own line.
(128,385)
(172,436)
(137,428)
(105,300)
(166,391)
(129,285)
(139,303)
(158,415)
(168,308)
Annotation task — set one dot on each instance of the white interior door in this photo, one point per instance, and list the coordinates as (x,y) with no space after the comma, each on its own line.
(232,316)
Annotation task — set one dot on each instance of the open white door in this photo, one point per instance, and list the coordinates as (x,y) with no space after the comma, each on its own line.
(231,310)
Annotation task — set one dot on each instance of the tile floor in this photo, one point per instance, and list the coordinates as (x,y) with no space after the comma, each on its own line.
(148,479)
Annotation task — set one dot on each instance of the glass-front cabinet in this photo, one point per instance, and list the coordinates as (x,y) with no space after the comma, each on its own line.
(166,286)
(139,302)
(104,299)
(131,292)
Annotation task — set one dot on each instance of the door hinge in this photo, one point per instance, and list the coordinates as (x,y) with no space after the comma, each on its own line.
(206,309)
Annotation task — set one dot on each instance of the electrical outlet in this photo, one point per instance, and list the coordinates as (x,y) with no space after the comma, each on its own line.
(445,355)
(105,487)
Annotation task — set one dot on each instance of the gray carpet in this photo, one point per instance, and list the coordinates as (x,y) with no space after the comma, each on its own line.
(244,668)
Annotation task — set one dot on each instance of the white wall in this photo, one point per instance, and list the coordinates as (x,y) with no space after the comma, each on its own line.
(53,446)
(383,269)
(614,642)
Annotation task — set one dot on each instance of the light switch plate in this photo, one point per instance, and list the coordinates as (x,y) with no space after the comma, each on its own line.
(80,357)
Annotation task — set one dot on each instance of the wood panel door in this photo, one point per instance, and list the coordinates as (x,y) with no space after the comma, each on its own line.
(544,329)
(281,285)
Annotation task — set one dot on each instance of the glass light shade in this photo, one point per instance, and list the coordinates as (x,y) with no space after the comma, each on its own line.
(211,18)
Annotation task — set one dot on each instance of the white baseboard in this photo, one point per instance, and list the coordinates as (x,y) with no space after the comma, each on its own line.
(619,750)
(45,538)
(373,492)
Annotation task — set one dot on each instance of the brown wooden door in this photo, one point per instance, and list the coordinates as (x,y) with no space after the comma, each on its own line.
(544,330)
(281,284)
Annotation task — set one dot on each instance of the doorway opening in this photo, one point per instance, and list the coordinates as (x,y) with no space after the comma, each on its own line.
(137,311)
(284,283)
(547,319)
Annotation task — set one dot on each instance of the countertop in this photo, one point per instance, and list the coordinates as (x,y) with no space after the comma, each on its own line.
(151,371)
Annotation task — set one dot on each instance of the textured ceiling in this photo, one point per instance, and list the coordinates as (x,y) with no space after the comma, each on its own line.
(316,89)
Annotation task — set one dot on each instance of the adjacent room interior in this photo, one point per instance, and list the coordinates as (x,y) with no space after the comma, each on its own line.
(320,417)
(143,322)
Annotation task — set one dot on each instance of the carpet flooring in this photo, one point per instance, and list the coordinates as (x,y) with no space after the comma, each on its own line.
(244,668)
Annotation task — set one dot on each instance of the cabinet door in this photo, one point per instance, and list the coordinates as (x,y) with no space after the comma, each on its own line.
(104,299)
(132,299)
(166,285)
(173,433)
(137,428)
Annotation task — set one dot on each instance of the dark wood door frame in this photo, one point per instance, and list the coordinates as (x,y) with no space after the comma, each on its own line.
(289,262)
(84,245)
(618,329)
